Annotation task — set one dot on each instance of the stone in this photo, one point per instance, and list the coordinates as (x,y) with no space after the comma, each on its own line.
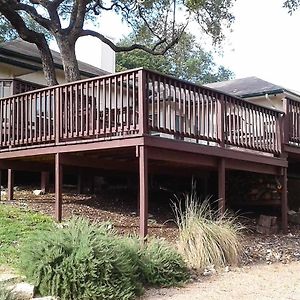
(38,192)
(209,271)
(23,291)
(3,193)
(294,217)
(9,278)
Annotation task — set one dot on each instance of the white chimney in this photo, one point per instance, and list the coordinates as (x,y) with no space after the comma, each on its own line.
(96,53)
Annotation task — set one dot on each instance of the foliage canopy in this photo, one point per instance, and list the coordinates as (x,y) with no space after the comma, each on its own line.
(67,20)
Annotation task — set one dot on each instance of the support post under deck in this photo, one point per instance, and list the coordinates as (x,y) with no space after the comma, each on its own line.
(10,184)
(45,182)
(58,187)
(221,185)
(284,202)
(79,183)
(143,191)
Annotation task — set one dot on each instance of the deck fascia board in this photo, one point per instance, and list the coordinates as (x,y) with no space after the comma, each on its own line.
(166,143)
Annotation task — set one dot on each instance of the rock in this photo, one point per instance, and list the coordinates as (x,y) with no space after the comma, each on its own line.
(227,269)
(23,291)
(38,192)
(9,278)
(16,188)
(3,193)
(209,271)
(294,217)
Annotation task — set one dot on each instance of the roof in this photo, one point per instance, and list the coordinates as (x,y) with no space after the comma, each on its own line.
(247,87)
(24,54)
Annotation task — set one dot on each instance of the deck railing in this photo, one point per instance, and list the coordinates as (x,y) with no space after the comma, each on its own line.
(292,122)
(196,113)
(9,87)
(137,102)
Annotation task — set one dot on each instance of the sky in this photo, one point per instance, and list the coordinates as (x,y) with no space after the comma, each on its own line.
(264,42)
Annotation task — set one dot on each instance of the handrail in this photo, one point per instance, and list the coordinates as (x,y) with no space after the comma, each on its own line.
(200,114)
(137,102)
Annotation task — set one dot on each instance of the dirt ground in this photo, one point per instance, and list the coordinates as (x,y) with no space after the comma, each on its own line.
(258,282)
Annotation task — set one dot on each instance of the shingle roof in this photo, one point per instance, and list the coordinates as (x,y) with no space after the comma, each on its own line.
(248,86)
(23,53)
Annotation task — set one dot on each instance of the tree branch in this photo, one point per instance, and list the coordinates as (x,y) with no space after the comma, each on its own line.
(34,14)
(32,37)
(133,46)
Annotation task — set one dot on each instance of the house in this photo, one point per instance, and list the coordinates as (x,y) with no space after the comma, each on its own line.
(257,91)
(21,68)
(144,122)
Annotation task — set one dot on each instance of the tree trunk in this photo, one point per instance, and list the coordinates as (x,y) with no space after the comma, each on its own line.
(69,60)
(10,13)
(47,63)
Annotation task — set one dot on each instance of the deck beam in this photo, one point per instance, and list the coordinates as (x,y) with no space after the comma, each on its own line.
(221,186)
(45,181)
(10,184)
(143,190)
(58,187)
(284,201)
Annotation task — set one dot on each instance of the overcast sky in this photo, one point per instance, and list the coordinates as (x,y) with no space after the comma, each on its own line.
(265,42)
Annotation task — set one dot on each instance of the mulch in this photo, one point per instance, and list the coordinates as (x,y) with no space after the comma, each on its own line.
(120,208)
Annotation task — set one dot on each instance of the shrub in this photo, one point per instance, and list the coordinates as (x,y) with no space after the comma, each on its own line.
(162,265)
(79,261)
(205,238)
(86,261)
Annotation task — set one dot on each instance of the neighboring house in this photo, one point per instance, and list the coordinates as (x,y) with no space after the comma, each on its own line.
(21,68)
(257,91)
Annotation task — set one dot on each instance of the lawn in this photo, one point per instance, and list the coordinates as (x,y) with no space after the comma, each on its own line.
(15,226)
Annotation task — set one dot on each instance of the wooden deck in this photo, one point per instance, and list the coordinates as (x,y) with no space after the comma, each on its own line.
(144,120)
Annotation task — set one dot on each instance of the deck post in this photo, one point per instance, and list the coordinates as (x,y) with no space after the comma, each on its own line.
(79,182)
(58,187)
(284,201)
(220,120)
(221,186)
(45,182)
(10,184)
(143,191)
(143,104)
(285,125)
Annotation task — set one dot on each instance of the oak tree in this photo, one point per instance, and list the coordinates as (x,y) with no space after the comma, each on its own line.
(66,21)
(186,60)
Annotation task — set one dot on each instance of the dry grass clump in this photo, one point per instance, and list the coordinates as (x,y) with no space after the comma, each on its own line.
(205,238)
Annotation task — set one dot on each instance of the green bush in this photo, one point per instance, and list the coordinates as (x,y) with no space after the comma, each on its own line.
(205,238)
(162,265)
(79,261)
(85,261)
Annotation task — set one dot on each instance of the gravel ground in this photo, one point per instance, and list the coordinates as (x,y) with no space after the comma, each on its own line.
(259,282)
